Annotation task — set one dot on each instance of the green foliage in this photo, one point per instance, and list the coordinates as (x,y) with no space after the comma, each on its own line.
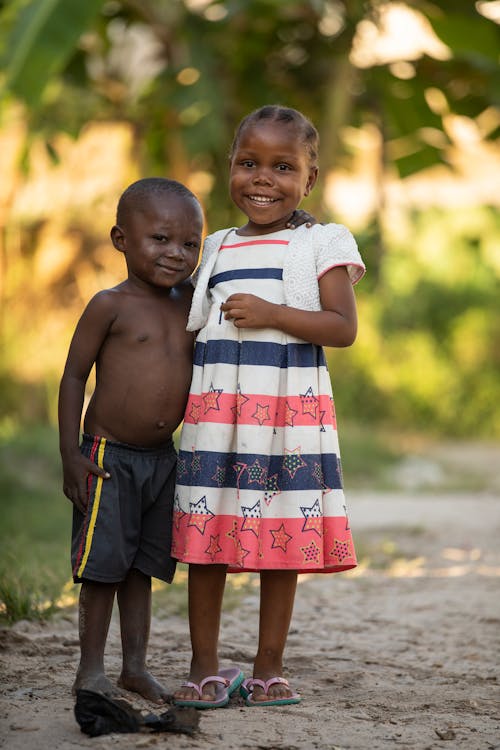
(41,37)
(427,356)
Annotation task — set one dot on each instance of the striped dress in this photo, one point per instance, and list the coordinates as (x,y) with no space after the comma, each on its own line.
(259,480)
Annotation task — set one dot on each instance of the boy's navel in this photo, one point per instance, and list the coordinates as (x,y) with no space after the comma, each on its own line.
(142,337)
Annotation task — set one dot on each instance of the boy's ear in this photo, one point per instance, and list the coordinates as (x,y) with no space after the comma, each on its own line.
(311,180)
(118,238)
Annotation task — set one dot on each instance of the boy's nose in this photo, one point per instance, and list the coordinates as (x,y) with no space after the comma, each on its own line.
(174,250)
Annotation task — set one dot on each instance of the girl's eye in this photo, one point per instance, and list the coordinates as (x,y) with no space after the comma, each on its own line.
(247,163)
(283,167)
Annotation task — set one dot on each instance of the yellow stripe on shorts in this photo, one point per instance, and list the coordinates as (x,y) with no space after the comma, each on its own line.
(95,509)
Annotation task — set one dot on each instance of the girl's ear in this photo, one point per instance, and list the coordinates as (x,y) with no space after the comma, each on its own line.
(311,180)
(118,238)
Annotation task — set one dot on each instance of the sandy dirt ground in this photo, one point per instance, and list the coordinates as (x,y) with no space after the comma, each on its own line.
(401,653)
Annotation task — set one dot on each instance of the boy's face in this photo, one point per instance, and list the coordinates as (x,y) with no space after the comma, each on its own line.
(161,239)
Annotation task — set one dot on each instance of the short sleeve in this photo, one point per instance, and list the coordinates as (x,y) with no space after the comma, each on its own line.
(334,246)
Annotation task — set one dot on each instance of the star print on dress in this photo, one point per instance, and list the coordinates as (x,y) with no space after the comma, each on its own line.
(195,462)
(214,547)
(261,413)
(311,553)
(195,412)
(292,461)
(318,475)
(220,475)
(280,538)
(321,418)
(289,414)
(239,469)
(241,553)
(199,514)
(272,489)
(181,466)
(178,513)
(211,399)
(241,400)
(313,518)
(341,550)
(251,518)
(309,403)
(233,534)
(256,473)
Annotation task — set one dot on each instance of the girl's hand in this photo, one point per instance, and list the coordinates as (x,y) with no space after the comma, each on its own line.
(300,217)
(76,469)
(248,311)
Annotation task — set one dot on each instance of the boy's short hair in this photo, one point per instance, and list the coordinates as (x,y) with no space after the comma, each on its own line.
(139,192)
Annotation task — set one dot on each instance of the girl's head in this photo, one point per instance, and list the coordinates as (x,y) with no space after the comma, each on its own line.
(273,165)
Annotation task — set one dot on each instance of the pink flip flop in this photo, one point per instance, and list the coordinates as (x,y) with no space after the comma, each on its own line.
(248,685)
(226,682)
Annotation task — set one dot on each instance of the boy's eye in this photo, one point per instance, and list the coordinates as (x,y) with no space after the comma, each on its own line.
(160,237)
(192,245)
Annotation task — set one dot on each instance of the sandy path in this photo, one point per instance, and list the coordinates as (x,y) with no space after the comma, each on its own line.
(400,656)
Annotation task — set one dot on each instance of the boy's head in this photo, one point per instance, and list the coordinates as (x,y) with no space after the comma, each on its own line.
(159,225)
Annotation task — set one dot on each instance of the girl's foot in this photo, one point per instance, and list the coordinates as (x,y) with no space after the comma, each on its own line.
(275,691)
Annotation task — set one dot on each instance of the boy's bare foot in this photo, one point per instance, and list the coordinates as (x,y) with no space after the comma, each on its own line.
(145,684)
(97,682)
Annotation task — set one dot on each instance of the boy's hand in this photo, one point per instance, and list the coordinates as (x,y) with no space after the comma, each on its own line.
(300,217)
(248,311)
(75,474)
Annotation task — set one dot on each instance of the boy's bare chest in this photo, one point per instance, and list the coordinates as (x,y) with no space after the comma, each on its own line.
(144,326)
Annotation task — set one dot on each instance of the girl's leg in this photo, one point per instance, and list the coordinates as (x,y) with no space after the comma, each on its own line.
(94,616)
(134,602)
(205,591)
(277,596)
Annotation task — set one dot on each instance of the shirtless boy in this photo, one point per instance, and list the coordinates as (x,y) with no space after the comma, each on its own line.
(121,478)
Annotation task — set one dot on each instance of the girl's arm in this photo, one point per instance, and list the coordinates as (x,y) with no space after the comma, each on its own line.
(90,333)
(335,325)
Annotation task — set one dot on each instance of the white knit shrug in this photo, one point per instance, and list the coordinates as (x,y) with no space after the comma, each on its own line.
(311,253)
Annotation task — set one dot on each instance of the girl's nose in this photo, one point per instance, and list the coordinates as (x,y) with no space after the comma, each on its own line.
(263,176)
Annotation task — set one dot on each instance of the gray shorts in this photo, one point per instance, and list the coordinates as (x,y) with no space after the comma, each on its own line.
(128,523)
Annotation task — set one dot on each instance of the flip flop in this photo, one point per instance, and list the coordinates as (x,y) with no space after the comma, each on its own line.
(248,685)
(226,682)
(234,677)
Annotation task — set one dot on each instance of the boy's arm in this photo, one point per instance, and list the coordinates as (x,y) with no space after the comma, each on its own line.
(90,333)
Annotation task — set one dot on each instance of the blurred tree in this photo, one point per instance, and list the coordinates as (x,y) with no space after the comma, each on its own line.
(184,72)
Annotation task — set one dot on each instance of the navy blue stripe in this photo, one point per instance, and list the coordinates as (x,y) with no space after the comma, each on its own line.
(246,273)
(258,353)
(211,469)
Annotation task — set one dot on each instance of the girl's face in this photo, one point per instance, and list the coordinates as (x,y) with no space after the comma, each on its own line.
(270,173)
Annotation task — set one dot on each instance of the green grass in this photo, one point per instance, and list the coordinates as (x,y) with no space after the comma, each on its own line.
(34,525)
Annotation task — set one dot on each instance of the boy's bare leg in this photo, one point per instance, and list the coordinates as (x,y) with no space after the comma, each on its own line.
(277,595)
(96,606)
(134,602)
(206,591)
